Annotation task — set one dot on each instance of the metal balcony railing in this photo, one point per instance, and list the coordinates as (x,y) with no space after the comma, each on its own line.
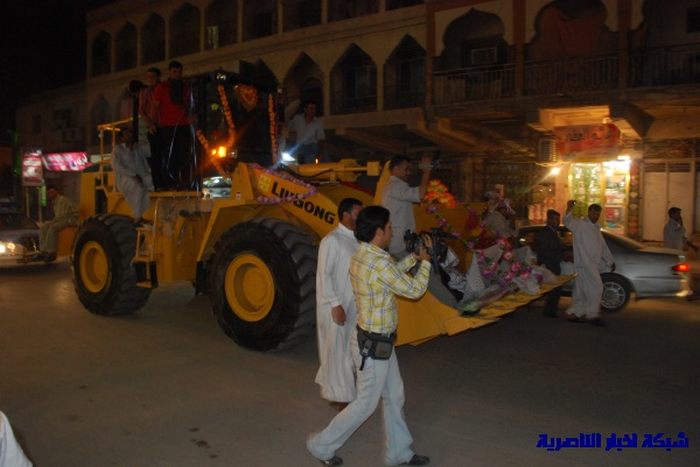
(402,97)
(570,76)
(477,83)
(665,66)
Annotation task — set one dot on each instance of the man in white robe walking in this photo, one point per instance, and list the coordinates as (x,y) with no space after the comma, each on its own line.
(591,257)
(335,308)
(132,173)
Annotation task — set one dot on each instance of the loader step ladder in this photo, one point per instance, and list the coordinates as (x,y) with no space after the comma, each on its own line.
(145,258)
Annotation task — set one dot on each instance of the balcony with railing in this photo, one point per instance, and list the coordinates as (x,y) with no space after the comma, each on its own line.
(473,84)
(665,66)
(571,76)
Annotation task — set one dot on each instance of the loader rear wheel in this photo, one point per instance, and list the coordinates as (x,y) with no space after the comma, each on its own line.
(262,284)
(103,275)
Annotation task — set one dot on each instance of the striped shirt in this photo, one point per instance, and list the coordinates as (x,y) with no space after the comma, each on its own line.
(375,278)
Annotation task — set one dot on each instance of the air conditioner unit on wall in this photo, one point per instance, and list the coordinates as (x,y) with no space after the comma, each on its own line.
(547,150)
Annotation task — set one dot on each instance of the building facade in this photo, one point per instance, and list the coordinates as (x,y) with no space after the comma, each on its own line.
(542,100)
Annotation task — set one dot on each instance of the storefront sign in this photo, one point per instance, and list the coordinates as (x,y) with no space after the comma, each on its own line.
(586,138)
(32,170)
(66,161)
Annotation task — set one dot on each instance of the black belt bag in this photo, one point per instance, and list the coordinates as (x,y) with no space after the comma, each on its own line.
(375,345)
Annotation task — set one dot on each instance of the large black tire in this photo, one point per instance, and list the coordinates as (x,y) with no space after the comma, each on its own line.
(262,283)
(103,275)
(616,293)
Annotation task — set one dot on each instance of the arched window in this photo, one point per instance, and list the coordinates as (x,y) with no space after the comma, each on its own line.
(126,47)
(260,19)
(220,23)
(101,54)
(303,82)
(153,40)
(184,31)
(404,76)
(354,83)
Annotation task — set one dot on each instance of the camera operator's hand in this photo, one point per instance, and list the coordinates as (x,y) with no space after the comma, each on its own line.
(338,315)
(423,254)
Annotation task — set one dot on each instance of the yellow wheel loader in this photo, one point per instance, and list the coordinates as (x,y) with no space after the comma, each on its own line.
(253,252)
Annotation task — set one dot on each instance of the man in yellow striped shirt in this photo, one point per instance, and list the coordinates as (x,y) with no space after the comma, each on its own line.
(376,278)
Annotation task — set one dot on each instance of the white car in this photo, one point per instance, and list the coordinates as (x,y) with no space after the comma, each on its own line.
(19,237)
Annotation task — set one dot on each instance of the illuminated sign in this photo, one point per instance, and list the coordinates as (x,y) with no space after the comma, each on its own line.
(66,161)
(32,170)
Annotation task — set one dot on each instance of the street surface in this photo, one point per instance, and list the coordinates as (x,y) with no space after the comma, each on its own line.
(166,387)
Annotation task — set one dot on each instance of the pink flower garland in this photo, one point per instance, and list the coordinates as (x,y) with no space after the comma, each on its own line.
(488,267)
(311,190)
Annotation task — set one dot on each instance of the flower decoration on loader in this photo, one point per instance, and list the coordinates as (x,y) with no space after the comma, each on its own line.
(497,269)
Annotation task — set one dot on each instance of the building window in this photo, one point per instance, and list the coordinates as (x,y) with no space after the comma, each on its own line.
(354,83)
(301,14)
(220,23)
(184,31)
(346,9)
(404,76)
(693,20)
(36,124)
(101,54)
(260,19)
(126,48)
(394,4)
(153,40)
(62,119)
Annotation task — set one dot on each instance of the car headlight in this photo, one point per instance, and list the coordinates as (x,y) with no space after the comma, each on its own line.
(3,248)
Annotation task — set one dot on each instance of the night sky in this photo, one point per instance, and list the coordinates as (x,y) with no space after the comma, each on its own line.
(42,46)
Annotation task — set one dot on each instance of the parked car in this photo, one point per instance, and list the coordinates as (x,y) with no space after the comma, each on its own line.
(19,237)
(639,269)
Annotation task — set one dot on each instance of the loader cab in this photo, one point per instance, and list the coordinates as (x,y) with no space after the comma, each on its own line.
(232,122)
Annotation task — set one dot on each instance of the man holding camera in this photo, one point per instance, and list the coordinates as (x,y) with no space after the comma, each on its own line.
(376,278)
(398,197)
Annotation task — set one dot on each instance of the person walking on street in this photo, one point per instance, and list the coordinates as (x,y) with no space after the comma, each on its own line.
(550,253)
(65,214)
(335,308)
(376,278)
(674,232)
(591,257)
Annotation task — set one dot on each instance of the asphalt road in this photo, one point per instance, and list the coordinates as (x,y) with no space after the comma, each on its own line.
(166,387)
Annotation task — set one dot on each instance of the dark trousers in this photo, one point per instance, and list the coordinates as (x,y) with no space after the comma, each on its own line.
(551,304)
(156,160)
(177,157)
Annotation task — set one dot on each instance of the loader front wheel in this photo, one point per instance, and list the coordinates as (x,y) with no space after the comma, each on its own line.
(262,284)
(103,275)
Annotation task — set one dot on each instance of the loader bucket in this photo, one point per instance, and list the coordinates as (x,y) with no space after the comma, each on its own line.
(421,320)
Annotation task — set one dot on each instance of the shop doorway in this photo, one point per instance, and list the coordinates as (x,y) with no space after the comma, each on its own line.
(666,184)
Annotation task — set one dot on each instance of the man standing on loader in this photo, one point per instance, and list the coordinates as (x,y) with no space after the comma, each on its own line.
(133,176)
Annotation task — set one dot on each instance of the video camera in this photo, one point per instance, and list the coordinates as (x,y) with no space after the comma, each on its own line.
(438,252)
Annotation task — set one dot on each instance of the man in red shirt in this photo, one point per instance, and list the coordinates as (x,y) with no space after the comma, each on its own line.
(173,99)
(148,123)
